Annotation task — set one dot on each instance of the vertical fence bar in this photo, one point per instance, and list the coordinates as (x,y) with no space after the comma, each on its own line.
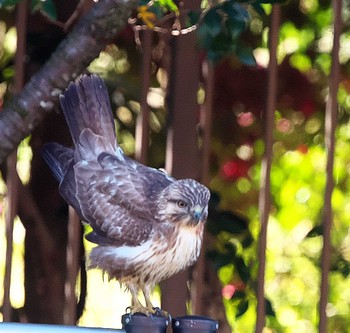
(72,262)
(330,125)
(10,215)
(205,125)
(264,195)
(12,178)
(142,124)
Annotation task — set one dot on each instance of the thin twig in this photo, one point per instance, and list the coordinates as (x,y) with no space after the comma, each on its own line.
(264,197)
(66,25)
(330,125)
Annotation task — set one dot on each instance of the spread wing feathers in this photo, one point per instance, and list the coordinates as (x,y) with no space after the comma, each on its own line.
(112,216)
(117,197)
(86,105)
(58,158)
(60,161)
(110,191)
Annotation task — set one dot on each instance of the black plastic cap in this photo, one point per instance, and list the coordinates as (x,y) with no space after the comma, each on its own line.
(192,324)
(146,324)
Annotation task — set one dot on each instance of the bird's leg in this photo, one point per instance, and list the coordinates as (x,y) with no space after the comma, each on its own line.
(146,290)
(135,301)
(136,304)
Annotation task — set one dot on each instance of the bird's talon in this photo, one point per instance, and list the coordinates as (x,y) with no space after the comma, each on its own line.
(133,310)
(161,313)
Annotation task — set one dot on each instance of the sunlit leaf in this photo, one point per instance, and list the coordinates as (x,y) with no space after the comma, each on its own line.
(169,4)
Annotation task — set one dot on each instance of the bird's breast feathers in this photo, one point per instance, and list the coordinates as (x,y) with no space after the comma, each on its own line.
(154,260)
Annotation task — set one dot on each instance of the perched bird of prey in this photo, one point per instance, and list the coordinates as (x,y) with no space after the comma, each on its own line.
(148,226)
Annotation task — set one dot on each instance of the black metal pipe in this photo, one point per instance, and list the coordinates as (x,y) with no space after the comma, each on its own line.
(139,323)
(194,324)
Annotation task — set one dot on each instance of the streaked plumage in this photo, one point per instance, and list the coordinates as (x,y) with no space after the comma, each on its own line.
(148,226)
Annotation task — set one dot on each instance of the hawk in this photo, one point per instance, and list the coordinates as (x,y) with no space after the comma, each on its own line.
(147,225)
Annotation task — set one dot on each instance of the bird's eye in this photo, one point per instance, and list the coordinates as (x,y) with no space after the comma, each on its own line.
(181,204)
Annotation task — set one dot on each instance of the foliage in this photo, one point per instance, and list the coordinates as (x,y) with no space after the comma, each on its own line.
(47,7)
(297,178)
(220,25)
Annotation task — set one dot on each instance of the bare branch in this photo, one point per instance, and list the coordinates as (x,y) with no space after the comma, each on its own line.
(73,55)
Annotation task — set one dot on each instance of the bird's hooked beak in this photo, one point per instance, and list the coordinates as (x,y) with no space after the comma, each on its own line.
(198,214)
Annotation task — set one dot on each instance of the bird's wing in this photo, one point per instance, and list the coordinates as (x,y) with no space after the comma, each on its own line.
(116,194)
(61,161)
(110,191)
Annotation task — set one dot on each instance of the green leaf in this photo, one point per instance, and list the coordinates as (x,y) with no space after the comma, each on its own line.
(169,4)
(239,294)
(35,5)
(259,9)
(214,200)
(269,309)
(193,17)
(211,25)
(46,7)
(316,231)
(143,3)
(226,221)
(245,55)
(242,308)
(219,259)
(270,1)
(247,241)
(341,266)
(9,3)
(232,223)
(49,9)
(242,269)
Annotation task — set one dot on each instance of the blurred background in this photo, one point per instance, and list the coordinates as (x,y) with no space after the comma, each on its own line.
(232,50)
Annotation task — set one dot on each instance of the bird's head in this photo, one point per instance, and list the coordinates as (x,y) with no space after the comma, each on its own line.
(184,201)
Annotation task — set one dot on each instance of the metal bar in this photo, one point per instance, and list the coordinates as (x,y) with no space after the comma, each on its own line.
(142,124)
(182,158)
(37,328)
(330,125)
(72,260)
(206,125)
(11,212)
(12,179)
(264,195)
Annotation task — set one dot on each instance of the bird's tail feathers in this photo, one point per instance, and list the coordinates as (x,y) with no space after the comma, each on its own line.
(90,146)
(86,104)
(58,158)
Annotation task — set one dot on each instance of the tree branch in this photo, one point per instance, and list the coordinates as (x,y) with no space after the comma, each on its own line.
(73,55)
